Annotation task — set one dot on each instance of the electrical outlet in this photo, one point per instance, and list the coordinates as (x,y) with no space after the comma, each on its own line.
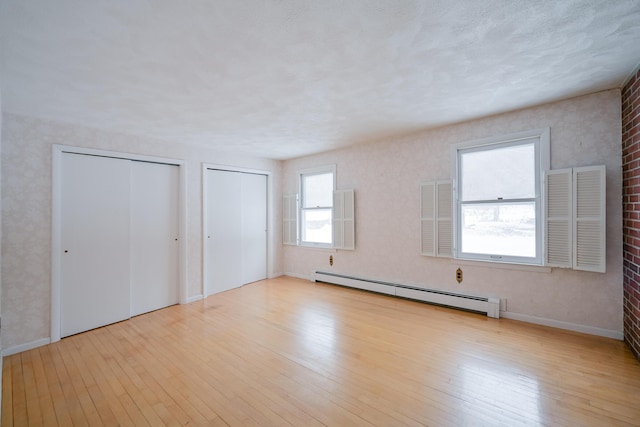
(331,260)
(459,275)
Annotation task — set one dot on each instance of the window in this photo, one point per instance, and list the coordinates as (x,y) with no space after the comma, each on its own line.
(498,209)
(318,215)
(316,206)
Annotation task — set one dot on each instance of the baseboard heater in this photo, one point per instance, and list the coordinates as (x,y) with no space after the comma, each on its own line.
(488,305)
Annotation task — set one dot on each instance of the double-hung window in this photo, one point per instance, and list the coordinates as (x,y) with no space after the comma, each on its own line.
(498,192)
(316,206)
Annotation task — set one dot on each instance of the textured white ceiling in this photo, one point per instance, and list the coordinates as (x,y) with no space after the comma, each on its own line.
(285,78)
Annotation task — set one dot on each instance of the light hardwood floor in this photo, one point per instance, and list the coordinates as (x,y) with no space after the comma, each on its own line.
(290,352)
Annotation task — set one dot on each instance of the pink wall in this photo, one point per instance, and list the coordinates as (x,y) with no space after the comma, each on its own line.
(386,176)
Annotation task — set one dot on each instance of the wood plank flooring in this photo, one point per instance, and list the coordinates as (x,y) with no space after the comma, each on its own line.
(291,352)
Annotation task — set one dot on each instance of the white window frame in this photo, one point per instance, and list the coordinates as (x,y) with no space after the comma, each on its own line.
(542,153)
(308,172)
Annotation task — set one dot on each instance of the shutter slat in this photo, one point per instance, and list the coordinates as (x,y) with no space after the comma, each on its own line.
(558,218)
(444,226)
(338,241)
(589,187)
(427,237)
(444,199)
(558,246)
(427,200)
(349,208)
(290,219)
(445,238)
(427,219)
(436,226)
(588,195)
(349,234)
(344,219)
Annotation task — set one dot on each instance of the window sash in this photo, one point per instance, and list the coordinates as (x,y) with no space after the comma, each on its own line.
(305,191)
(303,228)
(307,228)
(499,239)
(498,150)
(540,140)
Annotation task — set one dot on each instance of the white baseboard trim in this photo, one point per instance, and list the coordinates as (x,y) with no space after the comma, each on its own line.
(26,346)
(592,330)
(298,276)
(194,298)
(274,275)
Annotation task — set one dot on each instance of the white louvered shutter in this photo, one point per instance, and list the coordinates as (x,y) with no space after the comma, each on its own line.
(338,208)
(444,227)
(290,219)
(428,218)
(344,219)
(559,206)
(589,187)
(349,226)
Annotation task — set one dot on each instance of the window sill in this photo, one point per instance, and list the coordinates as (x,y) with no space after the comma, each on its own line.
(317,247)
(502,265)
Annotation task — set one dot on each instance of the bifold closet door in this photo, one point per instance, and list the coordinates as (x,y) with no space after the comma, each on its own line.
(224,227)
(154,236)
(119,236)
(95,256)
(236,229)
(254,227)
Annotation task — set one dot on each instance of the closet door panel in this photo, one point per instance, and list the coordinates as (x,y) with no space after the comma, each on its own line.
(95,242)
(224,225)
(254,227)
(154,234)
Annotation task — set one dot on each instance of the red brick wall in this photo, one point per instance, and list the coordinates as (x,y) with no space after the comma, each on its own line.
(631,210)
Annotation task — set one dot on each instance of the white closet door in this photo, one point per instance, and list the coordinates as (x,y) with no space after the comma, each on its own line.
(224,230)
(154,234)
(236,217)
(95,242)
(254,227)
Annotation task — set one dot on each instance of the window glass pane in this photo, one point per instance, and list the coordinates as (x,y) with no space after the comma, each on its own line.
(507,229)
(317,190)
(316,226)
(504,172)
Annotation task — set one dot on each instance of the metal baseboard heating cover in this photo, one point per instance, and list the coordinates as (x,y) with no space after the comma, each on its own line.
(488,305)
